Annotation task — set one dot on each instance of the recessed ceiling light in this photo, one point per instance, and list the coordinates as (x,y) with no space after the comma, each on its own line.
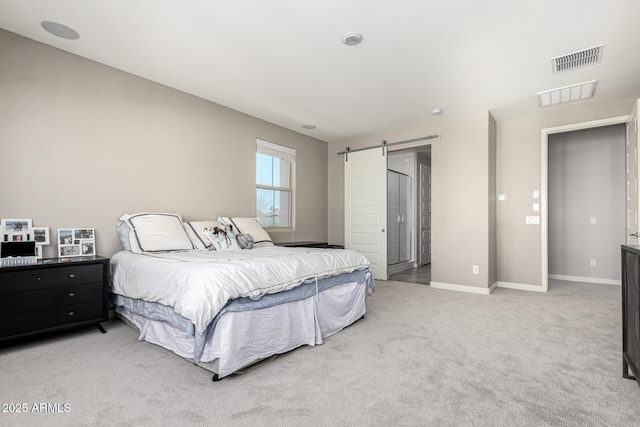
(568,93)
(60,30)
(436,111)
(351,38)
(309,127)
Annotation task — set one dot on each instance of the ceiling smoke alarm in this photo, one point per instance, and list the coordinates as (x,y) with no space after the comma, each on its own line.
(351,38)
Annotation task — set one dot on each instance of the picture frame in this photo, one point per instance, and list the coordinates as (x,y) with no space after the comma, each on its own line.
(75,242)
(15,230)
(41,235)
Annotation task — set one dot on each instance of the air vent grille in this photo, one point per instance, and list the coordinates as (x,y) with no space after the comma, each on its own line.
(581,58)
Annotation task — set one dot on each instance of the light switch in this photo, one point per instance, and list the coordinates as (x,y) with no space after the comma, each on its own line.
(502,197)
(532,220)
(536,207)
(592,220)
(536,194)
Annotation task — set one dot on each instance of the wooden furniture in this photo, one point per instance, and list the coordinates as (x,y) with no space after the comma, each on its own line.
(53,294)
(308,244)
(630,312)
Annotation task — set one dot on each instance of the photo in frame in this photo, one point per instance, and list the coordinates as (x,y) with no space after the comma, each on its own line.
(41,237)
(16,230)
(73,242)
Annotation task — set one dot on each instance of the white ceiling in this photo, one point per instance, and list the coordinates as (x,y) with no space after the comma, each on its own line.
(283,60)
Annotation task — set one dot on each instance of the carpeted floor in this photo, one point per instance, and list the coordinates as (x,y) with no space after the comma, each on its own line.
(421,356)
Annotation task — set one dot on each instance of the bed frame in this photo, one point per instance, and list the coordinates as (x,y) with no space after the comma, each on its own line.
(241,339)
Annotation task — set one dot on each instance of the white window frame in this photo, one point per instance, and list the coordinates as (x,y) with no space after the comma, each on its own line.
(286,153)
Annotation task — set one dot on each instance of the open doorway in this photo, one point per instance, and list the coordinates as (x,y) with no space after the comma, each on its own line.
(586,204)
(409,215)
(544,230)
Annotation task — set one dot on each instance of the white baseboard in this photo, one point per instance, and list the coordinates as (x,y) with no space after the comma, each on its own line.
(520,286)
(586,279)
(463,288)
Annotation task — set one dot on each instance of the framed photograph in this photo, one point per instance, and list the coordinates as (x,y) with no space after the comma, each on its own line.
(76,242)
(14,230)
(41,235)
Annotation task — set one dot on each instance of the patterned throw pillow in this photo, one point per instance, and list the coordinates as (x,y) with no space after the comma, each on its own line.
(222,239)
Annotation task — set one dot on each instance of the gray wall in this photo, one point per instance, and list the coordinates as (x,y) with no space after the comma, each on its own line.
(586,179)
(82,143)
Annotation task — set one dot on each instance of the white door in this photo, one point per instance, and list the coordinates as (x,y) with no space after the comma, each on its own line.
(425,214)
(631,152)
(365,207)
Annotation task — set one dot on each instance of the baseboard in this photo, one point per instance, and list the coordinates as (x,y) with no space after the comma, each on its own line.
(520,286)
(586,279)
(463,288)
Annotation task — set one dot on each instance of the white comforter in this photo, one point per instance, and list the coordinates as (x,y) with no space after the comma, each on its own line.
(198,284)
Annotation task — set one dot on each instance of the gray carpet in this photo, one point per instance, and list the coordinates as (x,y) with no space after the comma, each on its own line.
(421,356)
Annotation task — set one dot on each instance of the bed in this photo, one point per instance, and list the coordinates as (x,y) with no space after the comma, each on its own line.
(226,308)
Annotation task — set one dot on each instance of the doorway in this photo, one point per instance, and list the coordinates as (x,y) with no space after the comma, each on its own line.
(586,204)
(409,215)
(544,185)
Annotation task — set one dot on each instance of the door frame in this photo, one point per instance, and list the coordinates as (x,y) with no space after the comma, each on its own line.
(544,182)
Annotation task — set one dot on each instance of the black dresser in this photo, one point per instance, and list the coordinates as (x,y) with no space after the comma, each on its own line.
(630,311)
(53,294)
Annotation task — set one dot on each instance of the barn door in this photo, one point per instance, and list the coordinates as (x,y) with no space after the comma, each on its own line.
(365,204)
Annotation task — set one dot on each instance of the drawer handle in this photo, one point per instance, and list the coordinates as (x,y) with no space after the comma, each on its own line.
(72,294)
(71,276)
(71,313)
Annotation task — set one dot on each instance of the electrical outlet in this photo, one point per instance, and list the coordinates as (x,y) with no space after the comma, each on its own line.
(592,263)
(475,269)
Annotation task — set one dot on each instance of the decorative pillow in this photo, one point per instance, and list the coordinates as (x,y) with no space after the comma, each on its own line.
(154,232)
(245,240)
(198,235)
(249,226)
(222,238)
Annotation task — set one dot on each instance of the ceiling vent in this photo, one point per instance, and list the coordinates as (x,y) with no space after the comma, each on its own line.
(567,94)
(581,58)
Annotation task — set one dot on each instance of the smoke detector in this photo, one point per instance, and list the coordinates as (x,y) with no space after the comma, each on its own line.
(351,38)
(578,59)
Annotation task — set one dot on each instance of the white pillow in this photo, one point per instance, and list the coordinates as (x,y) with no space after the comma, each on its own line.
(155,232)
(250,226)
(199,237)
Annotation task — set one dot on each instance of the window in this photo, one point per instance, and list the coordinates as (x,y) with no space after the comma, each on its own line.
(274,190)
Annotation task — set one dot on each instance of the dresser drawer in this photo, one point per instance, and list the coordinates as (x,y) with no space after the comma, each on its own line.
(19,302)
(20,323)
(41,278)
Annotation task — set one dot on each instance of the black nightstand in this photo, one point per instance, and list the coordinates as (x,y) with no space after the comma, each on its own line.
(323,245)
(53,294)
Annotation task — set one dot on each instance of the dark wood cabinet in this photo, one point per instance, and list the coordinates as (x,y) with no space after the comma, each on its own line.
(53,294)
(630,312)
(323,245)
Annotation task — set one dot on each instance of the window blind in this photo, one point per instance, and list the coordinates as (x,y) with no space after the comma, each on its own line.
(276,150)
